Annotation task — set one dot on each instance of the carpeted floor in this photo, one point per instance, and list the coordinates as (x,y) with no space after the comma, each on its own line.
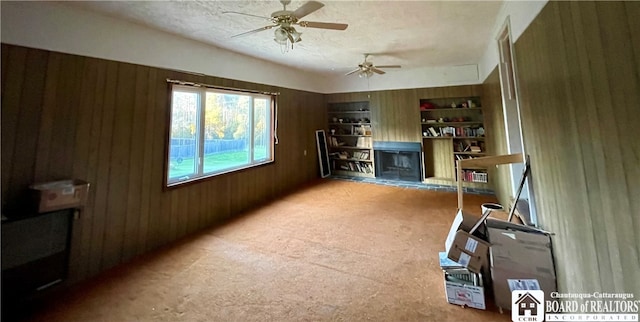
(337,250)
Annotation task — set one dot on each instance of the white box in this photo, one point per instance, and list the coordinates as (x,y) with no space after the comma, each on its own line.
(460,293)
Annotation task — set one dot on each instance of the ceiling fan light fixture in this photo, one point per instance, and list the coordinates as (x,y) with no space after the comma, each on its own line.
(294,35)
(365,73)
(286,36)
(366,69)
(283,20)
(280,35)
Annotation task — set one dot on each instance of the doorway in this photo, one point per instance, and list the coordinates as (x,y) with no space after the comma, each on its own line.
(512,123)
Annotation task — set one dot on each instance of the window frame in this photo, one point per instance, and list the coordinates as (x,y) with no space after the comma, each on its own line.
(202,90)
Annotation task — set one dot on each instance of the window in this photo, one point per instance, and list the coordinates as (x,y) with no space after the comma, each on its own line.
(215,131)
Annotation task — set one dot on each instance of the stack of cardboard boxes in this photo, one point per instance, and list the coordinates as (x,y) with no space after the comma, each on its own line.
(494,257)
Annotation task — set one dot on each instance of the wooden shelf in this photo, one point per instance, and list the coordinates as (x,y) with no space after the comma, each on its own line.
(455,137)
(474,168)
(439,151)
(352,159)
(355,118)
(451,123)
(452,109)
(480,162)
(348,147)
(349,123)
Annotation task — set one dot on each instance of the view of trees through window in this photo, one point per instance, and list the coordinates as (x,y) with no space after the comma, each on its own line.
(215,131)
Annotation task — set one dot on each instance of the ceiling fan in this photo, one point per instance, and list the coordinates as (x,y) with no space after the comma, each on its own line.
(367,68)
(285,20)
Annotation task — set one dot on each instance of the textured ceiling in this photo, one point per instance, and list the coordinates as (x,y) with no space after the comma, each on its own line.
(413,34)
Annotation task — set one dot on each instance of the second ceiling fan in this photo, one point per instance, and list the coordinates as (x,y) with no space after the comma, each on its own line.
(367,68)
(285,20)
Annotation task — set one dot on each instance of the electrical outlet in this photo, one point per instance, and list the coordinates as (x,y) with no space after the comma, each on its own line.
(305,153)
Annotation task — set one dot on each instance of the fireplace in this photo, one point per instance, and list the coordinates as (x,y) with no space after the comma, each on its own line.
(397,160)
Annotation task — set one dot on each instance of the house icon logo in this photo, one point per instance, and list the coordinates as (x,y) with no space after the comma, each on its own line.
(527,305)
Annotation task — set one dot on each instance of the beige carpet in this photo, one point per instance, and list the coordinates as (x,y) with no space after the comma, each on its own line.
(336,250)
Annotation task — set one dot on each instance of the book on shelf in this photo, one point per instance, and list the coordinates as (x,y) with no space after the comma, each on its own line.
(361,155)
(479,177)
(448,131)
(462,132)
(355,166)
(474,176)
(466,156)
(334,141)
(343,155)
(366,129)
(467,145)
(363,142)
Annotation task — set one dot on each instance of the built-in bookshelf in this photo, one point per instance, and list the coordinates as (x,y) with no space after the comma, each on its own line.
(452,129)
(349,139)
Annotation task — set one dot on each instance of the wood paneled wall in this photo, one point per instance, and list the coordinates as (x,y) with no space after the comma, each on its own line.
(395,114)
(67,116)
(496,135)
(578,68)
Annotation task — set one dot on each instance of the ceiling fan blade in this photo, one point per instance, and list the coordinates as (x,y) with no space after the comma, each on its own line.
(352,72)
(323,25)
(389,66)
(307,8)
(253,31)
(246,14)
(377,71)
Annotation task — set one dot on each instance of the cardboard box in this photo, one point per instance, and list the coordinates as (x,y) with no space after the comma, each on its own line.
(56,195)
(461,286)
(519,255)
(469,251)
(503,224)
(466,243)
(462,221)
(464,288)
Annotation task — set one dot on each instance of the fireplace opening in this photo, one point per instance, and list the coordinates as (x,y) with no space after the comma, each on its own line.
(397,160)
